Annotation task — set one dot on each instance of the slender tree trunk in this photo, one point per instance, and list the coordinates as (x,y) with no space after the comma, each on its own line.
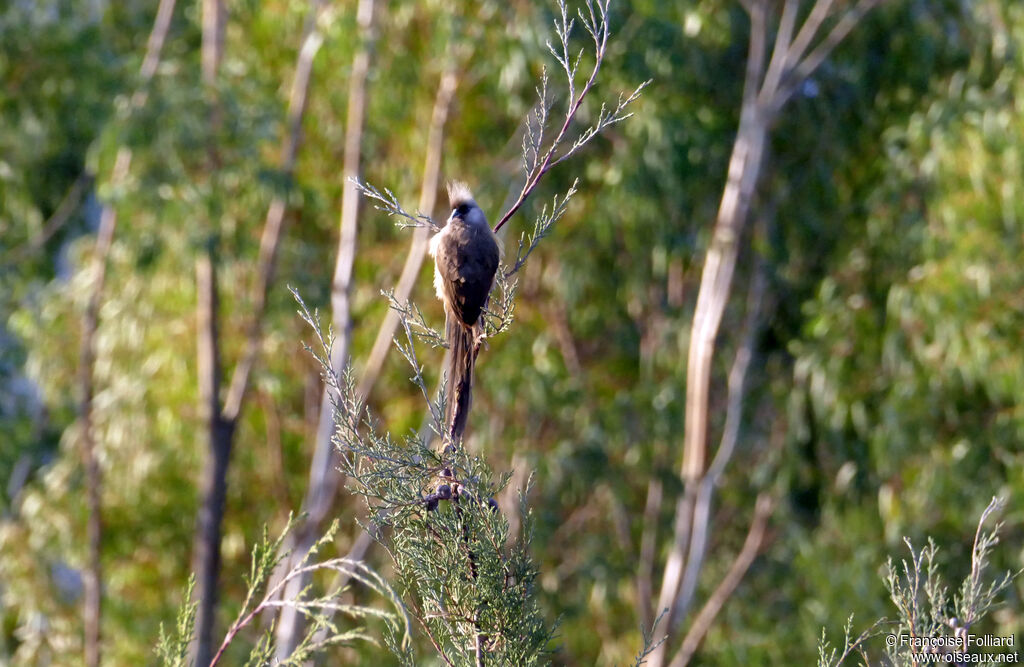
(324,478)
(222,420)
(320,491)
(93,575)
(716,286)
(767,87)
(341,284)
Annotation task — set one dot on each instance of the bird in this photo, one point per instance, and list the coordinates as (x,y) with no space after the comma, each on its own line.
(466,254)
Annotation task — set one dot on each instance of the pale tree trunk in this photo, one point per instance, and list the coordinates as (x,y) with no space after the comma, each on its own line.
(93,573)
(715,289)
(341,284)
(321,488)
(214,23)
(222,419)
(382,343)
(767,87)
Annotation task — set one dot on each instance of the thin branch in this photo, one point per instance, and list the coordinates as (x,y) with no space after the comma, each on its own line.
(808,65)
(714,604)
(605,119)
(67,207)
(738,376)
(648,551)
(780,51)
(755,57)
(808,32)
(672,576)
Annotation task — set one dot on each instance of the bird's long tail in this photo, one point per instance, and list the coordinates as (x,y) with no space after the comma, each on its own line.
(461,359)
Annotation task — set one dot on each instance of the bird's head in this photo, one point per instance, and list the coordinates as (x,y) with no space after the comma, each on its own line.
(463,205)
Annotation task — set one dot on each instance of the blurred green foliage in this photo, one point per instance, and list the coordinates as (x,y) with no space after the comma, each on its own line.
(886,398)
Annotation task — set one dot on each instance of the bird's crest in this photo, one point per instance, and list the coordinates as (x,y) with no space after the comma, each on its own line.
(459,193)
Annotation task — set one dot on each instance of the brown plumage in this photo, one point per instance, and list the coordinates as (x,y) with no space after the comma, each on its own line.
(466,257)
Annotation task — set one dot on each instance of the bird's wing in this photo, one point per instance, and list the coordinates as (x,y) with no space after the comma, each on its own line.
(466,261)
(446,261)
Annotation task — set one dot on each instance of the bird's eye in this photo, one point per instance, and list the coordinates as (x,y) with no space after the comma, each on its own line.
(462,210)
